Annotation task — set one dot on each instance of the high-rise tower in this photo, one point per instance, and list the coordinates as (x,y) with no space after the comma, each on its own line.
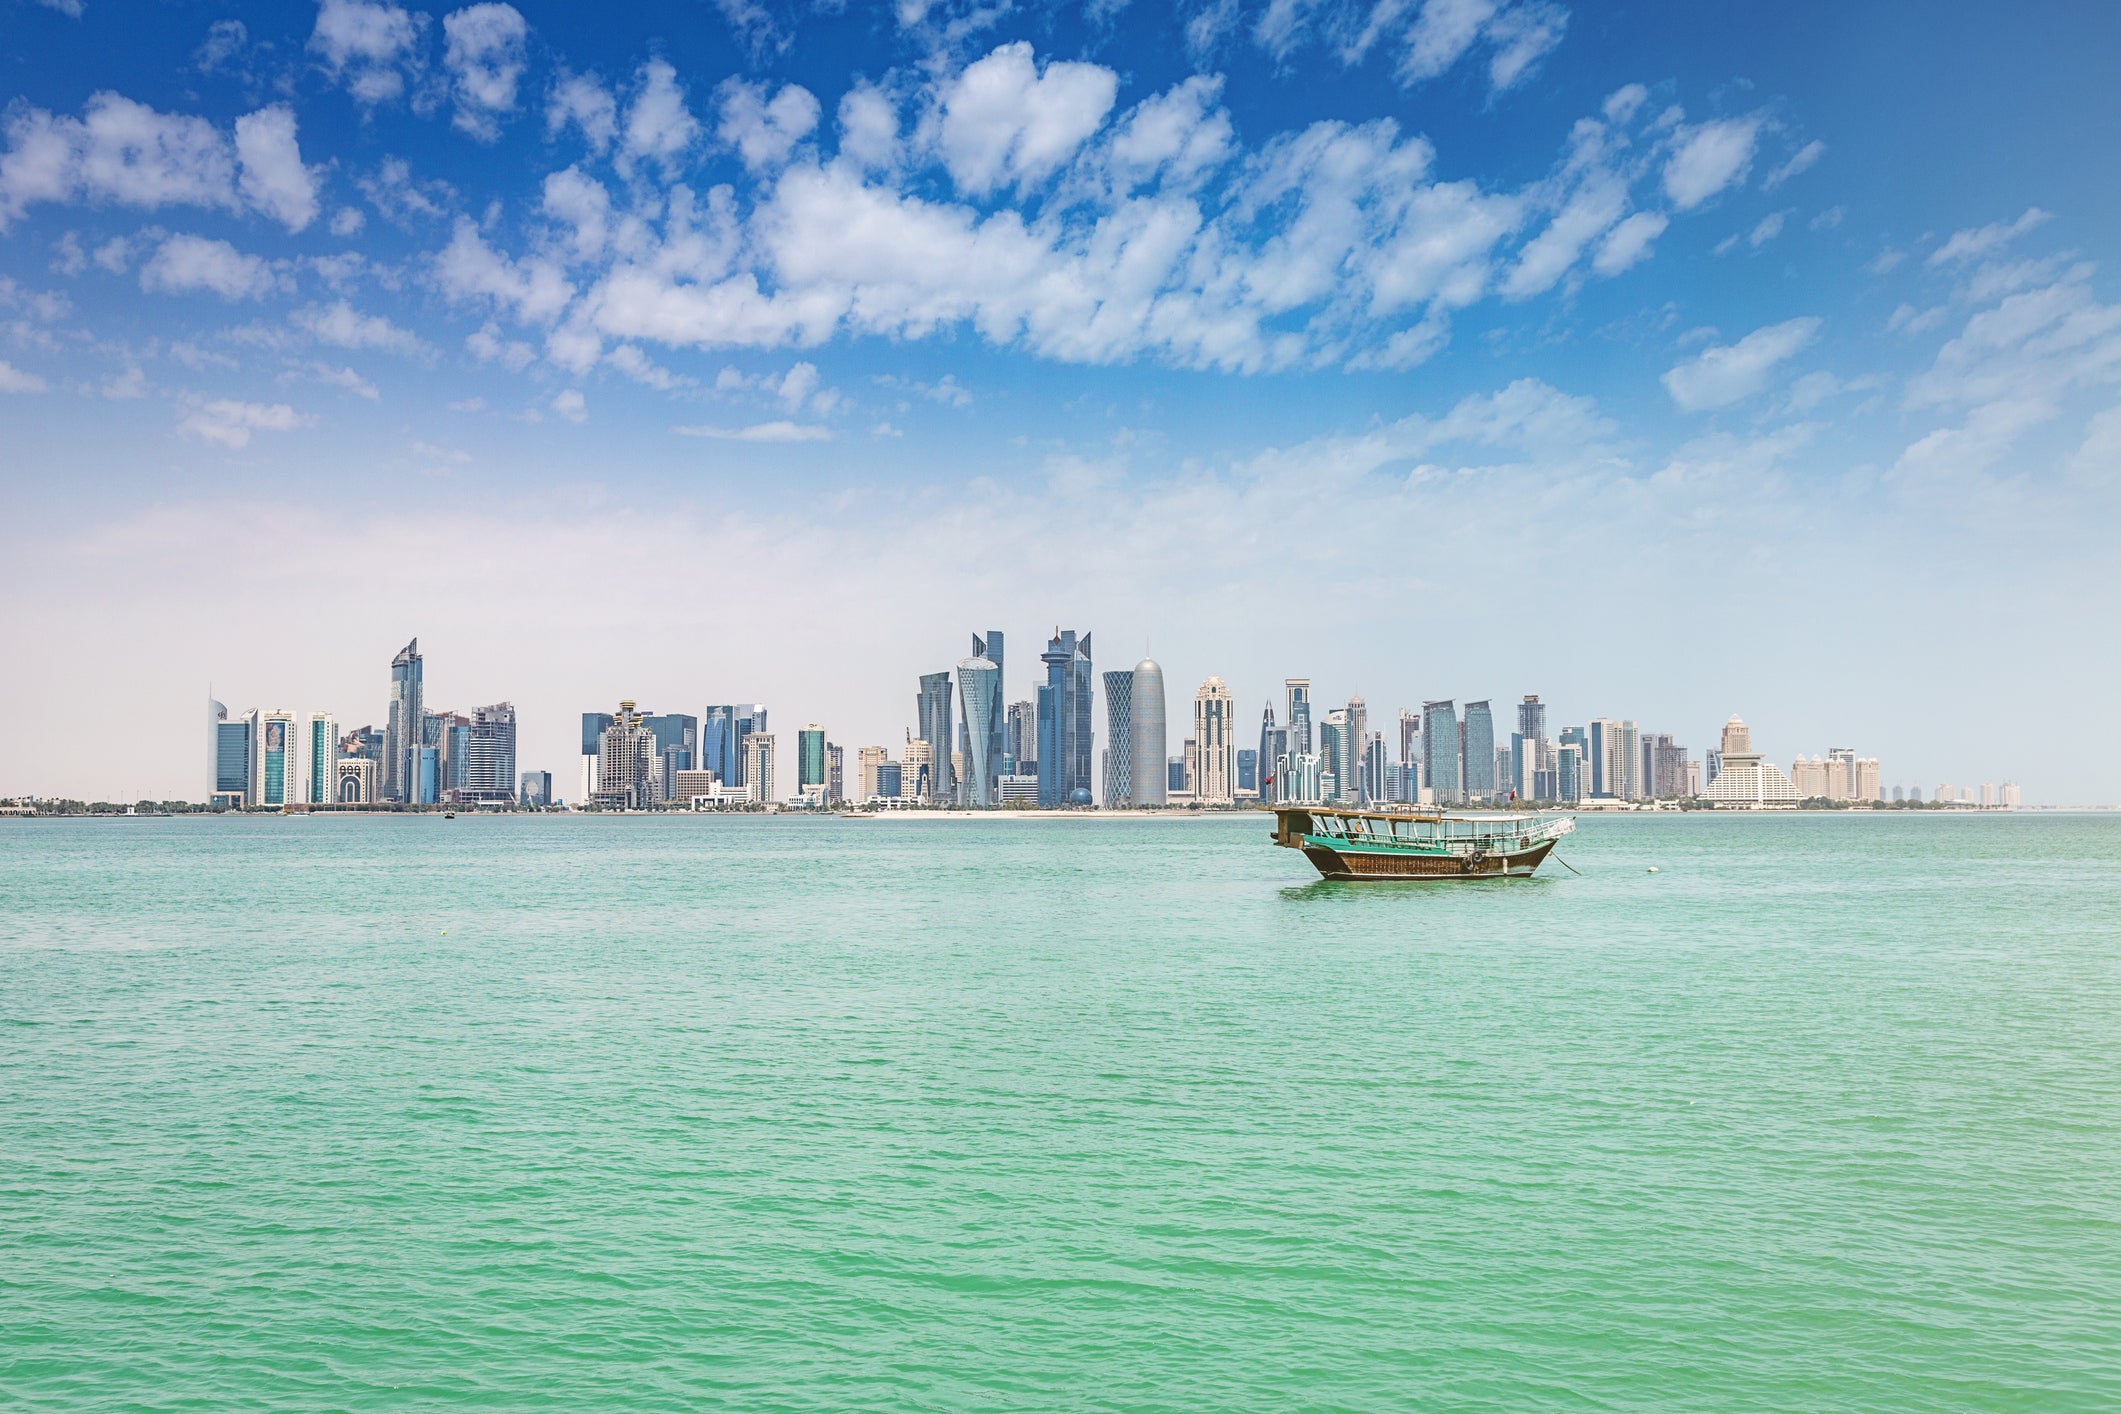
(1146,724)
(979,694)
(1119,732)
(1065,738)
(401,735)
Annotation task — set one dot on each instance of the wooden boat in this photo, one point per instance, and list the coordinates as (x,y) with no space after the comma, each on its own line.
(1417,842)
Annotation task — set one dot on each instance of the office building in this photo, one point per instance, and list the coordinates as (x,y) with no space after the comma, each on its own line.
(835,773)
(1019,790)
(593,725)
(534,789)
(1358,741)
(1666,769)
(1214,744)
(932,722)
(627,765)
(2010,797)
(916,778)
(759,773)
(1020,739)
(232,744)
(996,716)
(979,692)
(489,756)
(1065,738)
(1440,749)
(357,781)
(1296,712)
(1273,745)
(887,782)
(677,743)
(1119,737)
(1176,780)
(1479,782)
(275,760)
(1373,769)
(721,738)
(1569,783)
(1746,780)
(811,764)
(868,760)
(1305,779)
(1336,755)
(1247,773)
(1531,756)
(402,733)
(320,758)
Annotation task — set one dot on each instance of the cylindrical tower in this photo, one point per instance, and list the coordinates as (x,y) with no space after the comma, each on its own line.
(1148,754)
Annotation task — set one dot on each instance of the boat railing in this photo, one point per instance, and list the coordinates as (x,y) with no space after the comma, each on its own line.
(1447,833)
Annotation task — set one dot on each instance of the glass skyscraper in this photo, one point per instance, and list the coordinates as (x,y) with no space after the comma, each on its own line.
(810,759)
(1146,727)
(490,754)
(990,648)
(1119,731)
(1479,782)
(932,721)
(401,735)
(979,690)
(1440,748)
(1065,748)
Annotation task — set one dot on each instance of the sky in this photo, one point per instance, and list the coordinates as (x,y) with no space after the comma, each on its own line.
(1665,360)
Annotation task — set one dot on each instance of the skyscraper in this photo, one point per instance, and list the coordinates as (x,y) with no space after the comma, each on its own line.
(1373,768)
(535,789)
(1479,781)
(1336,756)
(401,737)
(721,743)
(677,742)
(759,767)
(320,753)
(276,761)
(1273,746)
(811,764)
(1298,714)
(1020,739)
(489,773)
(1215,744)
(1065,739)
(593,724)
(1355,787)
(1119,732)
(990,648)
(626,762)
(1247,771)
(979,691)
(1440,747)
(932,720)
(1146,728)
(1602,757)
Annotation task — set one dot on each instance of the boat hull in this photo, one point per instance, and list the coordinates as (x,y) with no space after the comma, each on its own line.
(1340,863)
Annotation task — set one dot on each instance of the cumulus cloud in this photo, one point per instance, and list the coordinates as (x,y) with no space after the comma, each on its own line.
(764,132)
(1986,240)
(14,380)
(1591,212)
(1005,121)
(868,124)
(659,127)
(468,269)
(570,404)
(1720,376)
(367,46)
(1708,158)
(1628,243)
(342,326)
(230,423)
(582,102)
(273,178)
(485,55)
(580,202)
(1176,136)
(185,264)
(127,153)
(761,432)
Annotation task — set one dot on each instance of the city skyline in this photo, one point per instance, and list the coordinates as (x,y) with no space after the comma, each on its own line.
(618,352)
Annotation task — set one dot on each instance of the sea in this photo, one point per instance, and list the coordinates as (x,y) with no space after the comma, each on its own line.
(1801,1112)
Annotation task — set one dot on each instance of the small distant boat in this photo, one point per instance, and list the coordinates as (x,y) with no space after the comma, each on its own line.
(1418,843)
(449,815)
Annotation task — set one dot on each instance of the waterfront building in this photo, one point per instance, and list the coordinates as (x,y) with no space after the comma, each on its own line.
(997,715)
(1119,737)
(427,775)
(1017,790)
(402,733)
(1440,746)
(810,763)
(626,763)
(320,758)
(593,725)
(1943,795)
(1503,787)
(868,760)
(356,781)
(1247,773)
(1746,780)
(917,774)
(1214,744)
(1808,777)
(1988,795)
(677,742)
(1712,762)
(2010,797)
(835,773)
(688,786)
(276,759)
(1175,782)
(1334,754)
(1358,741)
(1273,745)
(1479,727)
(534,789)
(489,755)
(1065,739)
(1020,739)
(1665,768)
(721,738)
(979,690)
(931,708)
(888,780)
(1148,734)
(1865,775)
(1305,779)
(1296,693)
(1373,770)
(759,773)
(234,745)
(1568,771)
(1606,760)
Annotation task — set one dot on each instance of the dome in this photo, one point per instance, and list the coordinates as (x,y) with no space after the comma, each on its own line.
(1149,665)
(1079,796)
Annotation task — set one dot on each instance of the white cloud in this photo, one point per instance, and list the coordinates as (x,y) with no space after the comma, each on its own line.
(1770,227)
(868,123)
(14,380)
(1982,240)
(1708,158)
(582,203)
(273,177)
(185,264)
(764,132)
(230,423)
(1179,135)
(487,345)
(72,9)
(1799,162)
(659,127)
(1720,376)
(1628,243)
(582,101)
(396,194)
(347,221)
(761,432)
(118,151)
(1004,121)
(1592,211)
(345,379)
(469,269)
(485,52)
(367,46)
(570,404)
(642,369)
(342,326)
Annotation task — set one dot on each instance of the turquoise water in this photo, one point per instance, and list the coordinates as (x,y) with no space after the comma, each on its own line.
(678,1113)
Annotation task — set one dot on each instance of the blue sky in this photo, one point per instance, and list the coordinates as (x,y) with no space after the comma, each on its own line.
(1668,361)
